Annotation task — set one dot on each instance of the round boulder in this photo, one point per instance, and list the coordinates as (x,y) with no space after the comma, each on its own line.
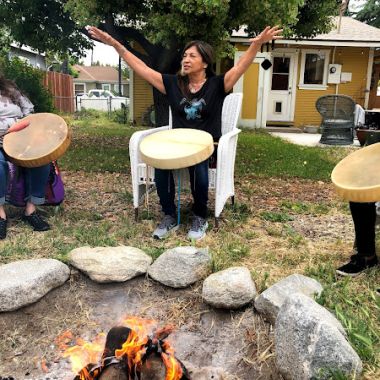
(229,289)
(110,264)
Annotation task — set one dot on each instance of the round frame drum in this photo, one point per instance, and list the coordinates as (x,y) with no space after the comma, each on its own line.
(357,177)
(45,139)
(176,148)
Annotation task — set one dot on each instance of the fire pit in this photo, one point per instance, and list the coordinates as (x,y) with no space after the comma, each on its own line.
(136,350)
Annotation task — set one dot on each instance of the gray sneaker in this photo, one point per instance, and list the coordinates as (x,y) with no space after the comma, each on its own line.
(167,225)
(198,228)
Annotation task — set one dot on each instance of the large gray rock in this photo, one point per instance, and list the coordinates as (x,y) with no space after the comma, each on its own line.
(25,282)
(110,264)
(180,267)
(229,289)
(269,302)
(310,341)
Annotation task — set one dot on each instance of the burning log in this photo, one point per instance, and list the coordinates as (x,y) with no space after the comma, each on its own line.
(130,353)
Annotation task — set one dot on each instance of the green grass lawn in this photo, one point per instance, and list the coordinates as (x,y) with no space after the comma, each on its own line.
(277,184)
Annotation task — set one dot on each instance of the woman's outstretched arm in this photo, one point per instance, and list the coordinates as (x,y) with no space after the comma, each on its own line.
(233,75)
(136,64)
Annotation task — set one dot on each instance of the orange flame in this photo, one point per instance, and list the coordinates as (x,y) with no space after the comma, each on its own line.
(173,367)
(132,350)
(84,353)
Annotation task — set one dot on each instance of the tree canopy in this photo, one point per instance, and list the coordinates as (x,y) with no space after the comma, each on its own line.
(160,27)
(43,25)
(370,13)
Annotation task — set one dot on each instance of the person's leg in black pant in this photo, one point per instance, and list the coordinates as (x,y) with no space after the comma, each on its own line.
(364,218)
(166,192)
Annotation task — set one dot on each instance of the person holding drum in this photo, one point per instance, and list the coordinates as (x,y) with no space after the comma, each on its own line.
(14,106)
(196,98)
(364,218)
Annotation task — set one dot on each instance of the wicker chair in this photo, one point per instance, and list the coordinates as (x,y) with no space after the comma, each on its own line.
(221,178)
(338,115)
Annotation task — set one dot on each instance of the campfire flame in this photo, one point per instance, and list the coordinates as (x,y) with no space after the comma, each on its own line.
(143,334)
(85,352)
(173,367)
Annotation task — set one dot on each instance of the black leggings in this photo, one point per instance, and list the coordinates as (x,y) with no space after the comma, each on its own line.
(364,217)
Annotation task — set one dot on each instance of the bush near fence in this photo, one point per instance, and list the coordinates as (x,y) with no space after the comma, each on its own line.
(30,81)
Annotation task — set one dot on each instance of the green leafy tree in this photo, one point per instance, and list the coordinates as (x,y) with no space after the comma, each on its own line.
(44,25)
(163,27)
(370,13)
(160,27)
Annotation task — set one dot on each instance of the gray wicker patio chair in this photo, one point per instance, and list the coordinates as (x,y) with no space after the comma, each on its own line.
(338,114)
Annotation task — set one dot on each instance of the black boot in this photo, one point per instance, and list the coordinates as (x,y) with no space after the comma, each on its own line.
(3,228)
(36,222)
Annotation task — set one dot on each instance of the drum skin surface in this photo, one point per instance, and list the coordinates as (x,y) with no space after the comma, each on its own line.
(356,178)
(176,148)
(45,139)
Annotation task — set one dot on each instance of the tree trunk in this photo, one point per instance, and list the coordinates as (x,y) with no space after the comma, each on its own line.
(161,108)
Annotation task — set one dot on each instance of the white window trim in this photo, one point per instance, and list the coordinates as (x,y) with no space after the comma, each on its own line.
(83,84)
(107,84)
(323,86)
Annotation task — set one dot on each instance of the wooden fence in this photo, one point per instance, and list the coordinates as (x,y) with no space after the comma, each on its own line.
(62,88)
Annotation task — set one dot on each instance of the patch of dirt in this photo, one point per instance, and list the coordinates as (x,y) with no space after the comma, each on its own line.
(240,342)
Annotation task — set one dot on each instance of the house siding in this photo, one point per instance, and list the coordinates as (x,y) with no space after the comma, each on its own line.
(142,93)
(142,97)
(352,61)
(34,59)
(250,86)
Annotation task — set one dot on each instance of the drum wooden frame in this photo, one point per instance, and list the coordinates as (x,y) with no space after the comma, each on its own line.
(47,131)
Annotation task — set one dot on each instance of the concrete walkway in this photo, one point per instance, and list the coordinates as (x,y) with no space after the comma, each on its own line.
(306,139)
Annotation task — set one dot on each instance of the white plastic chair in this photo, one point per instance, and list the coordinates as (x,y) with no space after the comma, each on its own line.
(221,179)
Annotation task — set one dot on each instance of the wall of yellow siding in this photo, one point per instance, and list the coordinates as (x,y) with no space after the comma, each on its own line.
(142,94)
(250,89)
(250,86)
(142,97)
(353,60)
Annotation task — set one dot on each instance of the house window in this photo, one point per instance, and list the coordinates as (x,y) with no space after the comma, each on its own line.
(106,87)
(116,89)
(314,67)
(79,89)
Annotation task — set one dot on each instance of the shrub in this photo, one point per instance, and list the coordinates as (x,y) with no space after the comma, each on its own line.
(29,80)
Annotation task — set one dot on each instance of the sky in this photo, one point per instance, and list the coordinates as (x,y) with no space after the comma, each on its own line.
(107,55)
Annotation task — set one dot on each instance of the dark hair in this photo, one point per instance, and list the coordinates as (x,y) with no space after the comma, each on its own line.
(207,53)
(10,90)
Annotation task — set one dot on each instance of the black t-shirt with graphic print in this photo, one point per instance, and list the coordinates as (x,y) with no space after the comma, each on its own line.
(203,111)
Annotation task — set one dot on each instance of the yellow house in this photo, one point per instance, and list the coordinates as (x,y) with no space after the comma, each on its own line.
(340,62)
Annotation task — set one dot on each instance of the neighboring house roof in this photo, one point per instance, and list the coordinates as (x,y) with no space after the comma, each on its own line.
(103,74)
(27,48)
(352,33)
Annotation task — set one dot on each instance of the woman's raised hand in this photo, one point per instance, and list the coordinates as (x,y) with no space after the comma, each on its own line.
(100,35)
(268,34)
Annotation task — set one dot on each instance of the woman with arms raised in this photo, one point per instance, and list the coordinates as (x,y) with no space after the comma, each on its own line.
(196,98)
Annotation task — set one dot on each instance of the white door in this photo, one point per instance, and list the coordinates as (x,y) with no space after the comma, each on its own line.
(281,95)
